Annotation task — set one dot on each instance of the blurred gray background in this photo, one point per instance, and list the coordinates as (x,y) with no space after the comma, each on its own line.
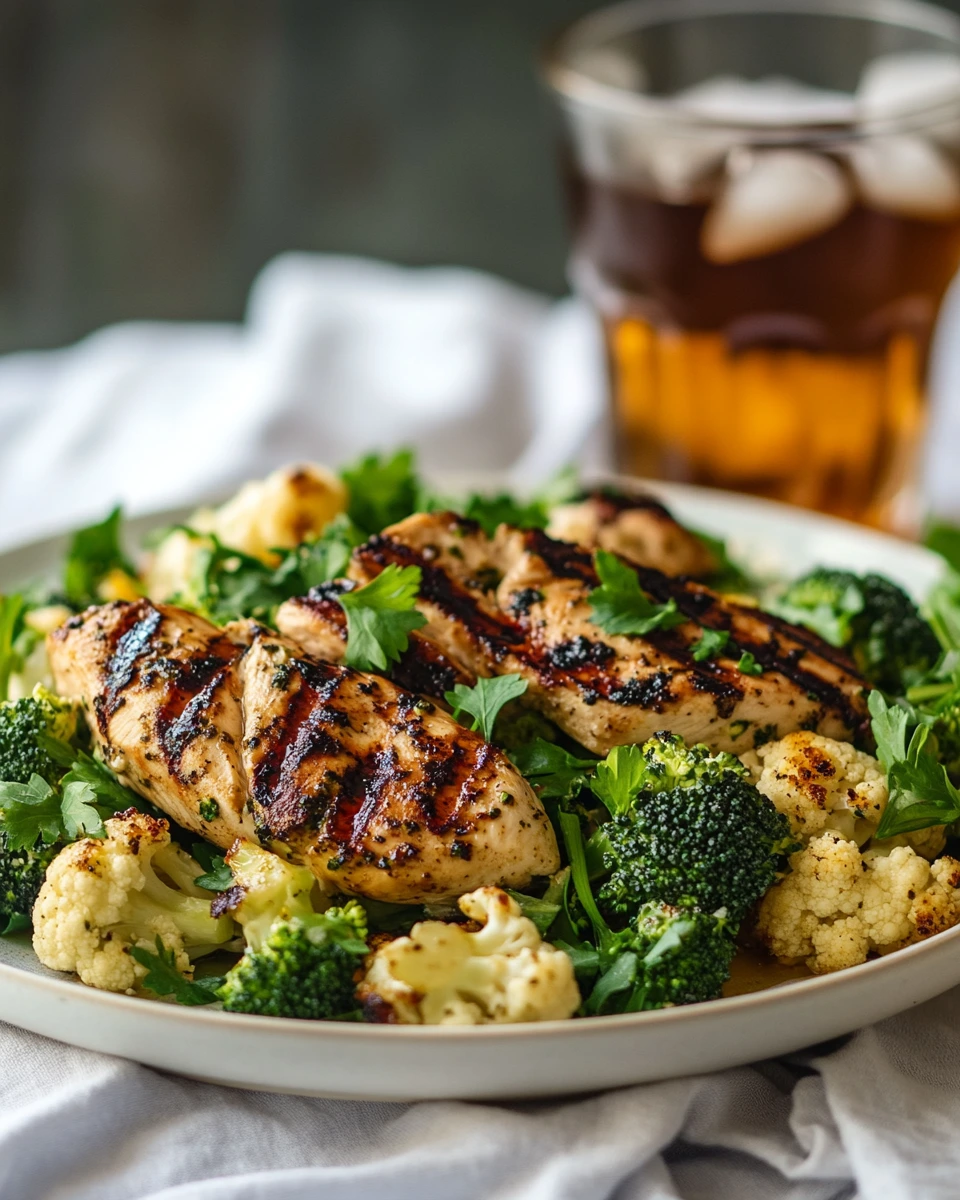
(155,153)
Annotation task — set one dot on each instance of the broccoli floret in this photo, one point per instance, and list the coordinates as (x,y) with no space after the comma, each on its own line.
(873,619)
(669,955)
(298,962)
(669,763)
(21,723)
(304,969)
(715,843)
(21,877)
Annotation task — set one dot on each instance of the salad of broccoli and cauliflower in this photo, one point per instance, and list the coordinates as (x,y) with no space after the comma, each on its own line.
(673,855)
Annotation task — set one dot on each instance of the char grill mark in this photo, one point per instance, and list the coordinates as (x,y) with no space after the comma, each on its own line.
(299,734)
(139,660)
(499,636)
(697,603)
(132,640)
(349,797)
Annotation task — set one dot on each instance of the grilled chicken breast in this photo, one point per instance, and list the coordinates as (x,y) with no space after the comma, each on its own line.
(163,696)
(318,624)
(381,793)
(637,527)
(519,602)
(378,791)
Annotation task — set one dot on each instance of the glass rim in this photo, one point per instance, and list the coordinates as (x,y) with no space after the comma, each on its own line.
(574,88)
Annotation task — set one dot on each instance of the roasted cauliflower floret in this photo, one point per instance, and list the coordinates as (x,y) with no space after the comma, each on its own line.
(102,897)
(445,974)
(820,784)
(279,512)
(838,905)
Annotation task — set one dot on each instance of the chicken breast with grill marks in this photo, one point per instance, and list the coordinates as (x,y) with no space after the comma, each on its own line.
(519,602)
(381,793)
(378,791)
(163,697)
(637,527)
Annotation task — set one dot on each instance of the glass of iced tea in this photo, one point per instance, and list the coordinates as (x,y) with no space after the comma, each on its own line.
(765,201)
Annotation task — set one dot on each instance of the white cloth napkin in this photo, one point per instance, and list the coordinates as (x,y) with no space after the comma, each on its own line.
(338,356)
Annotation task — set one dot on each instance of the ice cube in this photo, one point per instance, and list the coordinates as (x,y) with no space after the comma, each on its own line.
(773,100)
(680,163)
(895,84)
(906,175)
(772,200)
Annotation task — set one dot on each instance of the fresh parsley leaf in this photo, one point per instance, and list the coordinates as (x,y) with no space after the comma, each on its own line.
(920,791)
(382,490)
(94,552)
(504,509)
(484,700)
(217,876)
(380,616)
(31,813)
(35,811)
(11,620)
(228,585)
(889,725)
(619,977)
(80,813)
(557,774)
(542,913)
(748,665)
(710,644)
(318,561)
(163,978)
(619,778)
(585,959)
(81,768)
(619,605)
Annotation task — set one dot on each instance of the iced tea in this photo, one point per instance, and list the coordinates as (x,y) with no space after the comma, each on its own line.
(797,375)
(765,207)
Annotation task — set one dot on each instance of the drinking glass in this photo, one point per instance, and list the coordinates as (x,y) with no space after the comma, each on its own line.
(765,207)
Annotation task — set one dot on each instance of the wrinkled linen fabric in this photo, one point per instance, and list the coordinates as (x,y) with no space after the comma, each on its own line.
(334,357)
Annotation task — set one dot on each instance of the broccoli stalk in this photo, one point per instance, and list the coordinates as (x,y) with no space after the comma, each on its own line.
(668,955)
(298,962)
(875,621)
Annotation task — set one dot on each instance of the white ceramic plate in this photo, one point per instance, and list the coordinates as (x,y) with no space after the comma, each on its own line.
(509,1062)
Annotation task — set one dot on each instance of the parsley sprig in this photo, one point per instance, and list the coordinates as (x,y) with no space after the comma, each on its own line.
(920,791)
(164,979)
(37,812)
(556,773)
(620,606)
(484,700)
(380,616)
(94,552)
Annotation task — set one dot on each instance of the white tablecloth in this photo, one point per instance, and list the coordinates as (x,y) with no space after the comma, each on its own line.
(337,356)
